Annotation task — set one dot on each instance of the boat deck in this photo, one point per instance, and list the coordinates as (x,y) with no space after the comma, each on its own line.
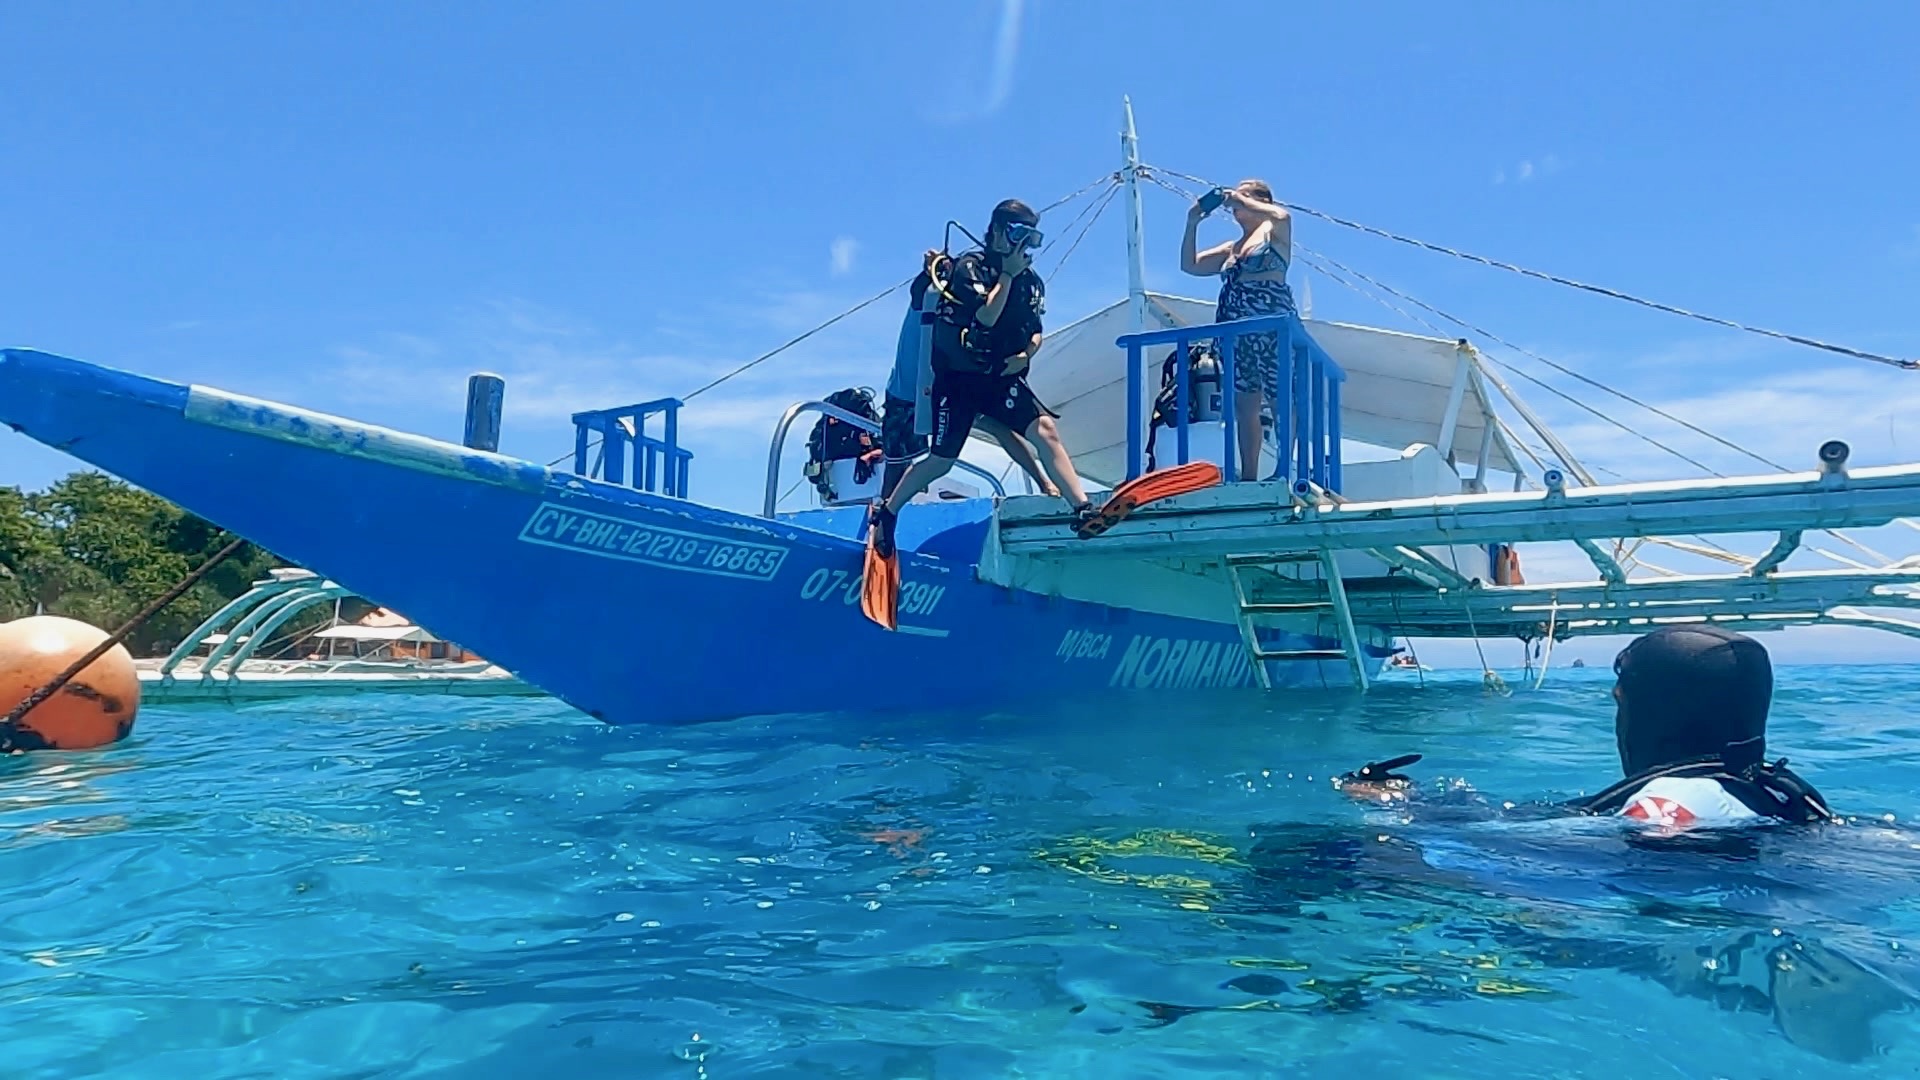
(1241,526)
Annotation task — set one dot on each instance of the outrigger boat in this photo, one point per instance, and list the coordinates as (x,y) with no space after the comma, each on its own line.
(611,587)
(222,659)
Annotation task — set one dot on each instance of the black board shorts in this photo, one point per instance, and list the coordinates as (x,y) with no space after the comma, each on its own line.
(960,398)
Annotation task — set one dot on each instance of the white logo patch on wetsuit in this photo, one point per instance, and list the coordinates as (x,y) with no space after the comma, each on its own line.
(1681,802)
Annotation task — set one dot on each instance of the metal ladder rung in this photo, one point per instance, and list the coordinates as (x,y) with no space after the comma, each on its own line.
(1300,654)
(1279,608)
(1275,559)
(1335,598)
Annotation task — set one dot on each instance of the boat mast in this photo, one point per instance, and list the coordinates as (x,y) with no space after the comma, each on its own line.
(1136,252)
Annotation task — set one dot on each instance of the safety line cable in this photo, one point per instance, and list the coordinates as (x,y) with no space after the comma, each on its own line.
(1906,365)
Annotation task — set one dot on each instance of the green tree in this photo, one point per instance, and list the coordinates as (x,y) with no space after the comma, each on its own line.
(94,548)
(24,542)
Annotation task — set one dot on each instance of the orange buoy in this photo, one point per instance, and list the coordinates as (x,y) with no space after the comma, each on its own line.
(94,708)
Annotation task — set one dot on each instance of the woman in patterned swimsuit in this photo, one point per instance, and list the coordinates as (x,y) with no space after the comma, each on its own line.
(1253,281)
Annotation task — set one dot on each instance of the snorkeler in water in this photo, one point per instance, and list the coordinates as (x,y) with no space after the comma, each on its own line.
(1691,707)
(1690,722)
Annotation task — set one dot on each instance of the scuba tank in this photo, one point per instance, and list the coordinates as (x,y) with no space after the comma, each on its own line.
(1204,393)
(1203,388)
(834,440)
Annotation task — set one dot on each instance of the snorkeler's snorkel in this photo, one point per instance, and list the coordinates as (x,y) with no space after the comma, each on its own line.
(1377,780)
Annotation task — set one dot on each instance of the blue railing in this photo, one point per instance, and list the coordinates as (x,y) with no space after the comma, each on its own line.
(658,464)
(1306,420)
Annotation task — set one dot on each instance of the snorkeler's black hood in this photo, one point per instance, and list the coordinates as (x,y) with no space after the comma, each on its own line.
(1689,692)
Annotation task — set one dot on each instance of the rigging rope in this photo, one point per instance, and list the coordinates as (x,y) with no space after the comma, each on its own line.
(1312,255)
(870,301)
(764,357)
(10,725)
(1906,365)
(1705,548)
(1315,260)
(1630,399)
(1110,178)
(1099,208)
(1312,258)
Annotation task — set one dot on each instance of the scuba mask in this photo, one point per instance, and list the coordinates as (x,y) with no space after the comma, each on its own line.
(1020,235)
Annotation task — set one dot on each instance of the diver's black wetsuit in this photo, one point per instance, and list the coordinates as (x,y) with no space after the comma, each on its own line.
(970,378)
(1692,710)
(1690,723)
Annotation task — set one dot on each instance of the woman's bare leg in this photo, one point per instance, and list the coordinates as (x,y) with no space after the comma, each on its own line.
(1246,417)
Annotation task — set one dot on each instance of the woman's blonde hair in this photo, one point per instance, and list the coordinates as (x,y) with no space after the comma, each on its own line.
(1256,188)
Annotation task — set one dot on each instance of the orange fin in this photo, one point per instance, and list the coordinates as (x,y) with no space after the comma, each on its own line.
(880,587)
(1147,488)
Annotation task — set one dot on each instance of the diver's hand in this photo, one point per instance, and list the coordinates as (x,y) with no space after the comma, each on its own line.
(1016,262)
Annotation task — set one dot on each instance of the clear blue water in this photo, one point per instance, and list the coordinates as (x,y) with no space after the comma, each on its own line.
(377,887)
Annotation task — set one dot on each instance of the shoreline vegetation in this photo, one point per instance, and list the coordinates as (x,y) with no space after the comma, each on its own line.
(97,549)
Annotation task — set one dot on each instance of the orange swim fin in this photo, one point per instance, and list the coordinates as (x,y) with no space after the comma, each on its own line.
(1146,488)
(880,582)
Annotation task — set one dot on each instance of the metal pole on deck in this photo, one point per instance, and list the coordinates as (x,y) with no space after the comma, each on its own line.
(486,398)
(1136,227)
(1137,385)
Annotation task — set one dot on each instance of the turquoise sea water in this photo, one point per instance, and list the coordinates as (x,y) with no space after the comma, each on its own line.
(388,887)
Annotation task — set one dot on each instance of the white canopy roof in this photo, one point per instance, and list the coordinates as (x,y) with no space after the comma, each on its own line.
(1395,394)
(377,633)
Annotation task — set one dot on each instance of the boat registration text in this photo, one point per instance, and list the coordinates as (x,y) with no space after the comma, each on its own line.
(611,538)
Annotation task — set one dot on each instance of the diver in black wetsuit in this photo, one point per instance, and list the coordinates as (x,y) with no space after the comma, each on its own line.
(986,329)
(1690,721)
(1691,704)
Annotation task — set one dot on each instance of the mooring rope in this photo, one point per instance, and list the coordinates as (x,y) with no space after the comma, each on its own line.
(10,724)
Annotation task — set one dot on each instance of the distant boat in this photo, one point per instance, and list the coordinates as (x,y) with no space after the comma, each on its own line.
(380,652)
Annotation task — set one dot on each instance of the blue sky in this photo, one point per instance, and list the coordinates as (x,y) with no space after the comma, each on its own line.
(353,206)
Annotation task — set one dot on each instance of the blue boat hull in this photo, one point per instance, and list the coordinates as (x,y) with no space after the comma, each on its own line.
(632,607)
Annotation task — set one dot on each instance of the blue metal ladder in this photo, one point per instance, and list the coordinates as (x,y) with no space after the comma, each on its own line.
(1332,596)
